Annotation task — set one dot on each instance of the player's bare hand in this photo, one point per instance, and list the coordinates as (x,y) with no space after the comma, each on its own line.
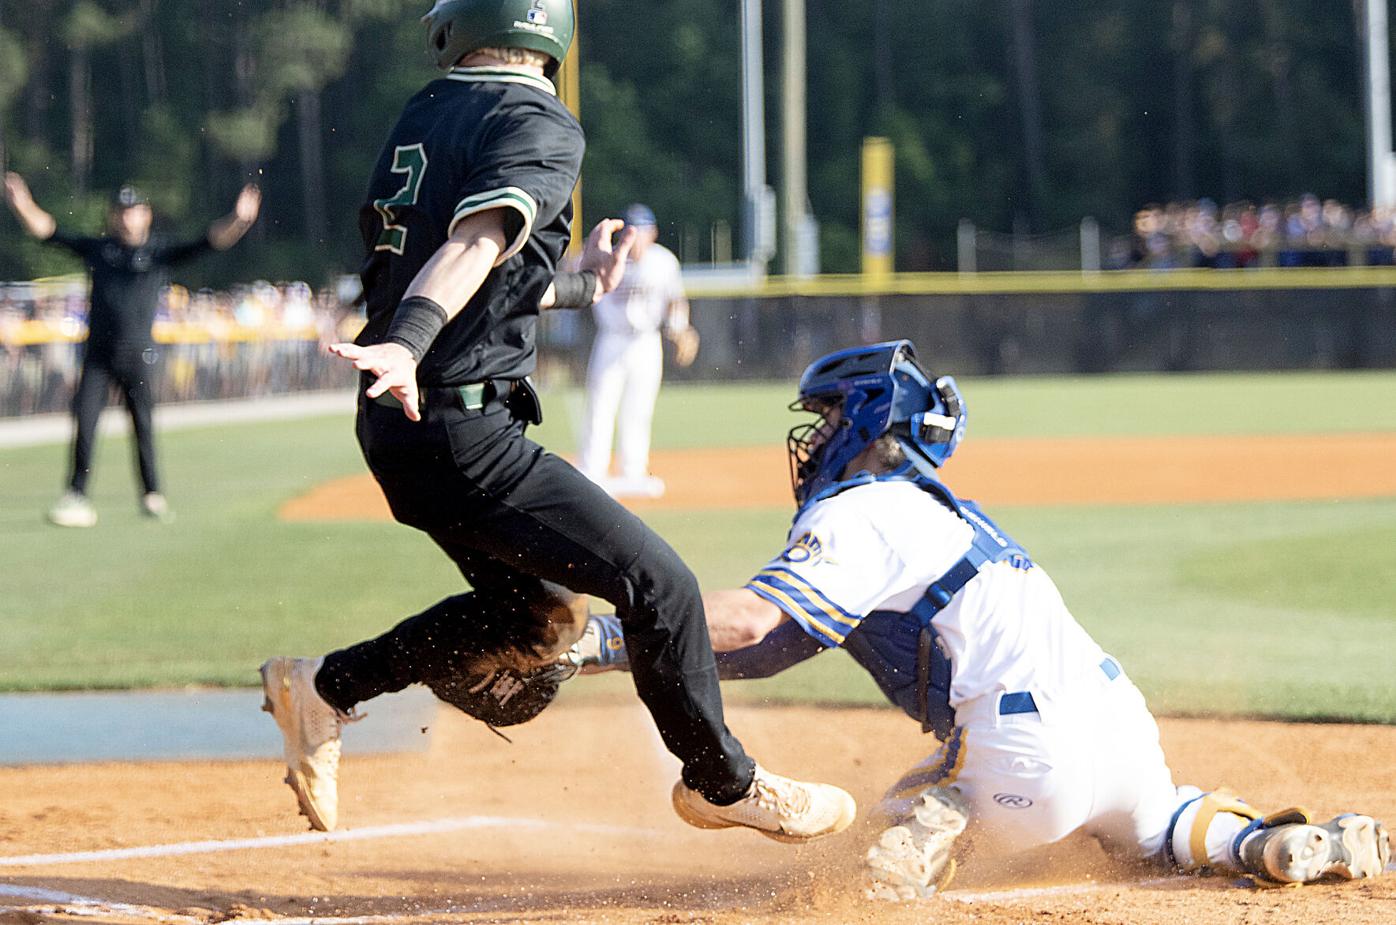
(16,190)
(685,347)
(249,204)
(603,258)
(394,367)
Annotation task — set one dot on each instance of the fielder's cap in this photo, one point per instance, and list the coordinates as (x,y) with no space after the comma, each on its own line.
(128,197)
(640,216)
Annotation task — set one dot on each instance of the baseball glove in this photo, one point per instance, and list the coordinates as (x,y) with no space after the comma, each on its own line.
(504,696)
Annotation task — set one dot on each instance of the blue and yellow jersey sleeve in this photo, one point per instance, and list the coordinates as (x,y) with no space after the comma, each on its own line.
(804,603)
(837,567)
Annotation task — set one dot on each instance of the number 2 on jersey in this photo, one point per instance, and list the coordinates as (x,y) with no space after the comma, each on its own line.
(411,160)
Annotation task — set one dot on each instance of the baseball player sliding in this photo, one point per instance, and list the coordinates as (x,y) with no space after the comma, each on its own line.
(1042,732)
(627,361)
(467,214)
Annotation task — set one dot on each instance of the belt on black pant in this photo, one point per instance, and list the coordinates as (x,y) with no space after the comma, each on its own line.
(1015,702)
(473,396)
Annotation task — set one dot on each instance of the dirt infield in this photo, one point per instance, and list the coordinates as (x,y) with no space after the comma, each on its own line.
(571,824)
(1141,470)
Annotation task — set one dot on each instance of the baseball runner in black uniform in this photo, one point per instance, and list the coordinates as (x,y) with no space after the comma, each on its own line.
(128,271)
(468,212)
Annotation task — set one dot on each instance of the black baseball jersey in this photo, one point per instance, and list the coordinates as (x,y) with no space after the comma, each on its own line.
(477,139)
(126,283)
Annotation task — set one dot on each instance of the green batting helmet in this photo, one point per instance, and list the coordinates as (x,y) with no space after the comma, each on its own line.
(455,28)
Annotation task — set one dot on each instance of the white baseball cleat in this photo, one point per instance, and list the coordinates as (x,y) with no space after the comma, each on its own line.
(777,807)
(914,860)
(73,510)
(310,735)
(1291,849)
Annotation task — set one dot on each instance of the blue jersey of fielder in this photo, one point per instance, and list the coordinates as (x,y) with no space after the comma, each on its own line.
(927,594)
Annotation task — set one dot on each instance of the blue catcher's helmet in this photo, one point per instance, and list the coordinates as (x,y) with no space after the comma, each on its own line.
(865,392)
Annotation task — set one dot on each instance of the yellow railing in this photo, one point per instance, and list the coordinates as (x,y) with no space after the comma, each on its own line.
(1063,281)
(33,333)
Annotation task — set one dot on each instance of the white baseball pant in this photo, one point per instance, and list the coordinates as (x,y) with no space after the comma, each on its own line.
(1090,760)
(623,377)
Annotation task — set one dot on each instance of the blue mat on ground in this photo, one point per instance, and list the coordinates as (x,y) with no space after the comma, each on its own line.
(200,723)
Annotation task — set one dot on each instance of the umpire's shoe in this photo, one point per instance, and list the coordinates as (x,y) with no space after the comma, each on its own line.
(1287,847)
(777,807)
(310,733)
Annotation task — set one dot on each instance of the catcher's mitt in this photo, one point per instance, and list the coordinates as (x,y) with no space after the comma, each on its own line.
(503,696)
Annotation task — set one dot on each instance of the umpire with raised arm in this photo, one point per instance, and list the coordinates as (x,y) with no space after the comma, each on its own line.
(128,270)
(467,214)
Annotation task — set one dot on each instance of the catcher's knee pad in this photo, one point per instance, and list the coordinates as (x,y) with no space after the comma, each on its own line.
(915,859)
(1218,814)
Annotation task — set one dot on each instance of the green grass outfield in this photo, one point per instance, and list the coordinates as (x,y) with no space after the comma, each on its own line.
(1278,609)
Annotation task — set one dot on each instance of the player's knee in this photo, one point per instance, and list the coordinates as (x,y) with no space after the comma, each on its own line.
(658,582)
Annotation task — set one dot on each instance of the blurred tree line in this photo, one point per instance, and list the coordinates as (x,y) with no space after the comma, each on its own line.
(1014,113)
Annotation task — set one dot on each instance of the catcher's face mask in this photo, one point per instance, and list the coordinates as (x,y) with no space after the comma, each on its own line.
(806,443)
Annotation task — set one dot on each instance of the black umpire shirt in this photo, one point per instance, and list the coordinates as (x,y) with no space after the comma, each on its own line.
(480,138)
(126,283)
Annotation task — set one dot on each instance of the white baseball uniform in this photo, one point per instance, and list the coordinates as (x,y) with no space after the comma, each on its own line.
(1050,736)
(627,363)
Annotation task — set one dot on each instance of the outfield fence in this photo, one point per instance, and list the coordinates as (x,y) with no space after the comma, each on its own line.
(1031,323)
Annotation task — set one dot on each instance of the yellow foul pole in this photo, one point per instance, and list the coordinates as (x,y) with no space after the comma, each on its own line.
(569,90)
(878,207)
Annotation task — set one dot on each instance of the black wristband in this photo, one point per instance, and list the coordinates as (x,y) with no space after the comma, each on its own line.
(574,290)
(415,325)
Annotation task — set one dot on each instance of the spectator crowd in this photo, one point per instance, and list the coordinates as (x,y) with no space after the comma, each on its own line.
(1306,232)
(255,339)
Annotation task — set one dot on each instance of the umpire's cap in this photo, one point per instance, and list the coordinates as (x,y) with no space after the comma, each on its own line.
(639,215)
(455,28)
(128,197)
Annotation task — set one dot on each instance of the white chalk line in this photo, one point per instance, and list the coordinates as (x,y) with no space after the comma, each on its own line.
(395,830)
(56,902)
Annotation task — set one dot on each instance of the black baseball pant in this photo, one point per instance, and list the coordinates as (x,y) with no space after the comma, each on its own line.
(524,527)
(129,370)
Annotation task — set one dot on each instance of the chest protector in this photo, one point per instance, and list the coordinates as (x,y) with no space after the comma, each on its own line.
(903,651)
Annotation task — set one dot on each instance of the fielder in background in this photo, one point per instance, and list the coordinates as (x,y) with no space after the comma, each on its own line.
(627,361)
(1042,733)
(128,270)
(467,214)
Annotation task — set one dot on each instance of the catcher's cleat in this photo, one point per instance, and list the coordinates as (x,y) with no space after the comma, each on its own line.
(913,860)
(777,807)
(1288,848)
(310,735)
(73,510)
(601,648)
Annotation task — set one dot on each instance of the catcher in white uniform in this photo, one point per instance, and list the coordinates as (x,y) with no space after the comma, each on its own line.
(963,631)
(627,361)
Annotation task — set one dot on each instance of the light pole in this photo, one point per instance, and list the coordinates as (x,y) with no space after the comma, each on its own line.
(1381,169)
(794,185)
(758,202)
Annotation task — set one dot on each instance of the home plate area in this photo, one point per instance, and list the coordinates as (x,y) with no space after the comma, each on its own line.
(571,823)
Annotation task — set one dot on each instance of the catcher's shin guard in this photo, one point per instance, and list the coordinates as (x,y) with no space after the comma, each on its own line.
(913,860)
(1287,847)
(1202,829)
